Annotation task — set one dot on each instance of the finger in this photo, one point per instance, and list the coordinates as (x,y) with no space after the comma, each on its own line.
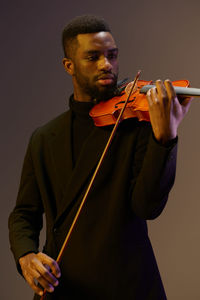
(170,89)
(33,283)
(152,96)
(45,284)
(161,91)
(148,95)
(45,259)
(36,277)
(46,275)
(185,101)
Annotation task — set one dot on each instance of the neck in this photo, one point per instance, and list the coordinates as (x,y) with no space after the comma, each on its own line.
(79,94)
(82,98)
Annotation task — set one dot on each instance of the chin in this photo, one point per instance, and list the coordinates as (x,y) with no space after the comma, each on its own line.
(105,93)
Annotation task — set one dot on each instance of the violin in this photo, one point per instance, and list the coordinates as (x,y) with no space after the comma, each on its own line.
(106,112)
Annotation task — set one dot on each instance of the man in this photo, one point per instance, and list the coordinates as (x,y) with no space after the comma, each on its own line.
(109,255)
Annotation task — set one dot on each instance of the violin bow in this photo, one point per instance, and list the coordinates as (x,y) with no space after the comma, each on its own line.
(60,255)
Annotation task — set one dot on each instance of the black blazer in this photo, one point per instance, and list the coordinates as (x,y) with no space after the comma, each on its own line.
(109,255)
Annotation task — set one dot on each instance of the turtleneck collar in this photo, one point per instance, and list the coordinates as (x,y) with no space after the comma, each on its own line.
(80,108)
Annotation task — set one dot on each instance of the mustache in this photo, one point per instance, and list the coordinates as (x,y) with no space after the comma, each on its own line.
(106,75)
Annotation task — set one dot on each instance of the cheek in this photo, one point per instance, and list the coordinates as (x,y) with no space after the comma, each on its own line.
(116,67)
(86,70)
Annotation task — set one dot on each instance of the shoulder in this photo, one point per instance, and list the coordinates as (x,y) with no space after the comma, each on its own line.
(53,127)
(55,123)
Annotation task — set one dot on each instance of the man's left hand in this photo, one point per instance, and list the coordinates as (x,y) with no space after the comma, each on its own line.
(165,110)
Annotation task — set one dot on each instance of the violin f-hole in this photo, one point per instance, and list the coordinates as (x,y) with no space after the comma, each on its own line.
(121,102)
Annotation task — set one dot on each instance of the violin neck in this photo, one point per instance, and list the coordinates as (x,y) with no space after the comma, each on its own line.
(183,91)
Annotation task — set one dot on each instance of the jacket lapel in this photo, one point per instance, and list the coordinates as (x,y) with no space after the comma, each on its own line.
(85,166)
(61,151)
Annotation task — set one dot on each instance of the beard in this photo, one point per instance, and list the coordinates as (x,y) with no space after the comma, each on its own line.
(97,93)
(102,93)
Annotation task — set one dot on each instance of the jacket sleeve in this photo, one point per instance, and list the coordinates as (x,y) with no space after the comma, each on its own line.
(154,171)
(25,221)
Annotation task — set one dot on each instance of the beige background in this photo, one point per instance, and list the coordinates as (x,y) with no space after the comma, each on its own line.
(162,38)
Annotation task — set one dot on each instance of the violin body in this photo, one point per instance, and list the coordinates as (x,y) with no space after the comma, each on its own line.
(106,112)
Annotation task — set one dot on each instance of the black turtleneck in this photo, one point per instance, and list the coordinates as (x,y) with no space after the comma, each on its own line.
(82,125)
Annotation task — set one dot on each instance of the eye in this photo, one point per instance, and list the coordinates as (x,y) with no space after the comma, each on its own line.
(112,55)
(92,57)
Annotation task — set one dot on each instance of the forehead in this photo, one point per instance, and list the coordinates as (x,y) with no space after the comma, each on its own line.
(96,41)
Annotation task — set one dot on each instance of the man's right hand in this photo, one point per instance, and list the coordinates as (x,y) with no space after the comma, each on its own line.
(42,269)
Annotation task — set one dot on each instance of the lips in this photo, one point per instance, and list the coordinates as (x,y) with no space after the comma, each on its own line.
(106,79)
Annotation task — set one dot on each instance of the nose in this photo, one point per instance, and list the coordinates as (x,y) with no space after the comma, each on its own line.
(104,64)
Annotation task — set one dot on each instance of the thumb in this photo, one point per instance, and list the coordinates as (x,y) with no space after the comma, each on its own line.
(185,101)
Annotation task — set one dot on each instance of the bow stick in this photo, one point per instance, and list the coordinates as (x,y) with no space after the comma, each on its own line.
(60,255)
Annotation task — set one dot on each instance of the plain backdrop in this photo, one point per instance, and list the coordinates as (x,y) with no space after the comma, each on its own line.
(162,38)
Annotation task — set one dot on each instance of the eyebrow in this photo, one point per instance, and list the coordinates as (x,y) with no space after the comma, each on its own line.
(98,51)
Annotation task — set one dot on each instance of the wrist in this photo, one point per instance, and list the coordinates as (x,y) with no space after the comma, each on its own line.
(166,141)
(166,138)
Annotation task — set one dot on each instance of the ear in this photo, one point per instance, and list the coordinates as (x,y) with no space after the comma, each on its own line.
(68,65)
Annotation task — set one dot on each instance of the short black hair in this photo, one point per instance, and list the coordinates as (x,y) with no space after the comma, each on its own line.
(80,25)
